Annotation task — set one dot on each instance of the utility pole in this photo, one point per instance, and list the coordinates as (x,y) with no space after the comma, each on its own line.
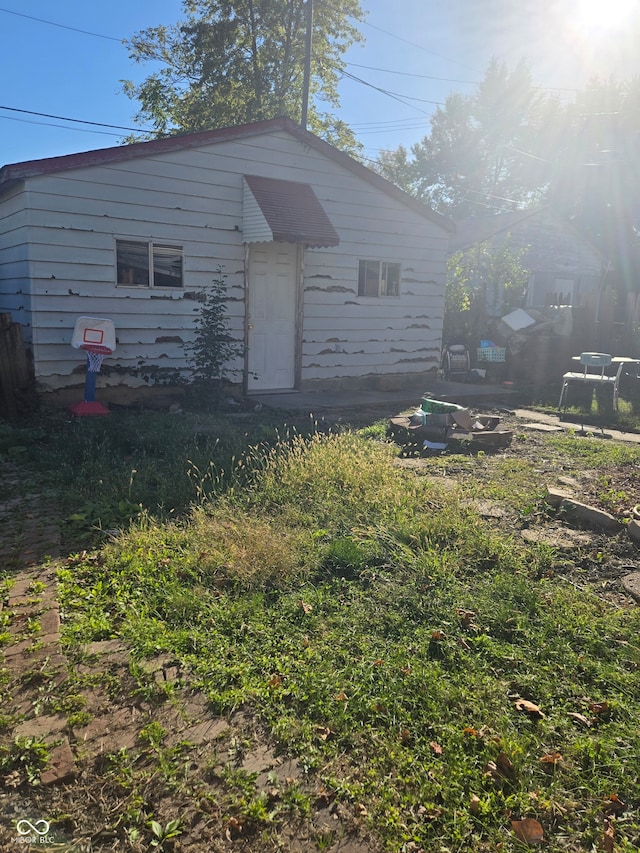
(307,64)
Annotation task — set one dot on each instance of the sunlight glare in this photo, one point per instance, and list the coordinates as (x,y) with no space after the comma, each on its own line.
(596,17)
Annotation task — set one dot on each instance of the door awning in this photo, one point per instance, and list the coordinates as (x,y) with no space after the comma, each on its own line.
(284,211)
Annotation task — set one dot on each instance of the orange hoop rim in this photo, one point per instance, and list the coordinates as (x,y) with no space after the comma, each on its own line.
(98,349)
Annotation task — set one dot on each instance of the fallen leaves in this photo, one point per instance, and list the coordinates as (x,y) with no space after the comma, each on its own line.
(600,709)
(551,759)
(528,831)
(530,708)
(501,768)
(466,618)
(324,732)
(608,837)
(430,812)
(579,718)
(613,806)
(233,829)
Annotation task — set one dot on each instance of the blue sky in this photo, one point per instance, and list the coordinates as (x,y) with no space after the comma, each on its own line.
(409,44)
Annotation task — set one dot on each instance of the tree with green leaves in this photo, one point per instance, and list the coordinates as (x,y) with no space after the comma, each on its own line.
(213,347)
(483,281)
(596,179)
(483,150)
(232,62)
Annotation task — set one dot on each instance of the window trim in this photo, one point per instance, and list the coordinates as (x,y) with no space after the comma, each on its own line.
(383,266)
(151,244)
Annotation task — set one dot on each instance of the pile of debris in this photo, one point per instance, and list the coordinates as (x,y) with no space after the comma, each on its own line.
(436,424)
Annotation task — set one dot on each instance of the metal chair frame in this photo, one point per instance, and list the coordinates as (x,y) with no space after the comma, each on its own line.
(593,374)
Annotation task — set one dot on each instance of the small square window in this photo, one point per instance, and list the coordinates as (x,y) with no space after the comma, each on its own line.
(378,278)
(146,264)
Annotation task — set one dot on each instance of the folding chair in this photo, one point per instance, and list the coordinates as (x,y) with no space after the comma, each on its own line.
(593,375)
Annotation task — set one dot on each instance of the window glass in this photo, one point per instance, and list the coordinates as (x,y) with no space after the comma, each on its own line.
(132,263)
(378,278)
(133,269)
(390,283)
(167,266)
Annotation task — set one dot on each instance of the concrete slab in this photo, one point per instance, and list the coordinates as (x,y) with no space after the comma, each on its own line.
(540,427)
(554,420)
(392,401)
(633,529)
(631,583)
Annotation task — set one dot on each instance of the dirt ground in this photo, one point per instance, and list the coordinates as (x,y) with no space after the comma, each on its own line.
(104,767)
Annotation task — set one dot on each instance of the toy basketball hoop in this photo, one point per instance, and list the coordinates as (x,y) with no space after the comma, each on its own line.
(97,337)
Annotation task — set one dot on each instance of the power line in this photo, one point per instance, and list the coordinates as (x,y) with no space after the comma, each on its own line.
(372,127)
(413,44)
(62,26)
(394,95)
(412,74)
(76,120)
(393,121)
(452,79)
(382,91)
(63,126)
(422,126)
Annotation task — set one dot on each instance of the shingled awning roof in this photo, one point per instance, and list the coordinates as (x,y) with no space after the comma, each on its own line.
(285,211)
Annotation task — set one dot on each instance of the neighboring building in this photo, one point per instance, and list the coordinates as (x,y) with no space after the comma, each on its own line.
(565,269)
(332,273)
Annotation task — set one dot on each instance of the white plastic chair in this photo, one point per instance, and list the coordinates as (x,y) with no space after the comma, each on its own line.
(593,374)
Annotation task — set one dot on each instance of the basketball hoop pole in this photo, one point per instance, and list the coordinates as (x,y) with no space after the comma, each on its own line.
(89,406)
(90,384)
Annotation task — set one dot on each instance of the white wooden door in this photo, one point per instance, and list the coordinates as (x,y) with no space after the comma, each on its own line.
(272,299)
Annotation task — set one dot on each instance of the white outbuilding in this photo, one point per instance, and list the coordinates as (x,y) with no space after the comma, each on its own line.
(334,276)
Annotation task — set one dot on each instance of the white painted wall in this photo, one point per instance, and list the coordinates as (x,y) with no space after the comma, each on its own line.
(15,296)
(193,197)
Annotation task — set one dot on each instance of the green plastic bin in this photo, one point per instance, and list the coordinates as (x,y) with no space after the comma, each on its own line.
(439,407)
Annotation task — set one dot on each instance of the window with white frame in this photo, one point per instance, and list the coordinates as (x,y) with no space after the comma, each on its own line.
(378,278)
(143,263)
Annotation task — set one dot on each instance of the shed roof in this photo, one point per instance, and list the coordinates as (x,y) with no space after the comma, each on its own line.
(17,172)
(478,229)
(481,229)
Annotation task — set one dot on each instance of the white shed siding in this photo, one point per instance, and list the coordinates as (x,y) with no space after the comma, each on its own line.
(73,252)
(194,197)
(346,335)
(255,228)
(15,296)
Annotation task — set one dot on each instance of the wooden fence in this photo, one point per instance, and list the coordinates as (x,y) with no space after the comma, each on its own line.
(16,375)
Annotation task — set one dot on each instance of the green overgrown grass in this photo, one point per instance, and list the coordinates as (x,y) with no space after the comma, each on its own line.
(103,473)
(389,638)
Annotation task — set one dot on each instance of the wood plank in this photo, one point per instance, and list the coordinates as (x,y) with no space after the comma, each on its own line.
(15,371)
